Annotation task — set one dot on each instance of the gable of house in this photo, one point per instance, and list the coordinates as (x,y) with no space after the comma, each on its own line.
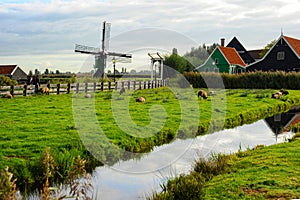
(216,62)
(13,72)
(221,60)
(283,56)
(244,54)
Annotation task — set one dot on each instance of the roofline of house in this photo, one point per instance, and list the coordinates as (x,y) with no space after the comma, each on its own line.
(291,47)
(206,59)
(238,56)
(16,67)
(281,36)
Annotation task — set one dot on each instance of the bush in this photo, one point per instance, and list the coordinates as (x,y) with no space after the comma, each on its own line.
(250,80)
(217,164)
(182,188)
(6,81)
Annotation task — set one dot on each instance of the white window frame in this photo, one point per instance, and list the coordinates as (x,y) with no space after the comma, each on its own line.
(280,55)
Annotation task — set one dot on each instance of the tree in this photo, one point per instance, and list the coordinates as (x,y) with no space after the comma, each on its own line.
(46,71)
(174,51)
(266,48)
(133,71)
(57,72)
(176,62)
(36,72)
(197,56)
(30,73)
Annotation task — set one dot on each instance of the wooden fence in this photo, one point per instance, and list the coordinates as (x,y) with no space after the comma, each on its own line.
(25,90)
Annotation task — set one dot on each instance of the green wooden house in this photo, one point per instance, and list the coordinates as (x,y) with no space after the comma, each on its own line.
(223,60)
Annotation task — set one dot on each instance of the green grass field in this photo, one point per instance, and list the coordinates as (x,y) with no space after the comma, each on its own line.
(29,124)
(263,173)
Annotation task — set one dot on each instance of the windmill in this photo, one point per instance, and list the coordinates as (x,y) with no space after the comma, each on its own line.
(102,54)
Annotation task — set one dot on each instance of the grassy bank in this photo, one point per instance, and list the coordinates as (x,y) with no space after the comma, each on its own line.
(261,173)
(30,124)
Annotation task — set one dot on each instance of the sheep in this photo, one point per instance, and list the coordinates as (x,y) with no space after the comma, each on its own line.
(87,95)
(45,91)
(284,92)
(140,99)
(276,95)
(122,91)
(211,93)
(8,96)
(202,93)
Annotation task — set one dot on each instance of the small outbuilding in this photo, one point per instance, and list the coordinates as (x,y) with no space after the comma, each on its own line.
(13,72)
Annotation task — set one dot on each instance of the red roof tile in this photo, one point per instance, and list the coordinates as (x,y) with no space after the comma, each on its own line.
(7,69)
(295,44)
(232,56)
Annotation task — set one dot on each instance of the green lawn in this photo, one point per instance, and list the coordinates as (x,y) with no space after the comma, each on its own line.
(29,124)
(264,173)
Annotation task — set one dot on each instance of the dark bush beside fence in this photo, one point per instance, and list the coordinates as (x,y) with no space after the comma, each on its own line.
(251,80)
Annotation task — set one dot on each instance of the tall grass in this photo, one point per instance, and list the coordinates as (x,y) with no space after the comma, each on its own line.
(250,80)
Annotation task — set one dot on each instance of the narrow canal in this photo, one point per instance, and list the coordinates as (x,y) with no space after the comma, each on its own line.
(137,178)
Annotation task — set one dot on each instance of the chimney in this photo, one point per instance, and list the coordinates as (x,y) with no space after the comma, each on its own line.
(222,42)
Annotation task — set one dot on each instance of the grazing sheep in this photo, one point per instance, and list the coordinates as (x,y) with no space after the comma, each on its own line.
(122,91)
(284,92)
(211,93)
(276,95)
(8,96)
(87,95)
(203,94)
(140,99)
(45,91)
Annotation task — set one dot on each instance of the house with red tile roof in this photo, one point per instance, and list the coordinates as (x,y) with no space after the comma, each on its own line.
(283,56)
(224,60)
(245,55)
(14,72)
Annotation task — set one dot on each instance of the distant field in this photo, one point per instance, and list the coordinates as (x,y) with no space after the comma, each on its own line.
(29,124)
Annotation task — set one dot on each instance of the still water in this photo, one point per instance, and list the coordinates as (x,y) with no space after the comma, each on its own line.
(136,179)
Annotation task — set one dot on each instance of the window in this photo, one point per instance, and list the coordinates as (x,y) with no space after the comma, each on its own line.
(280,55)
(277,118)
(206,69)
(217,61)
(216,69)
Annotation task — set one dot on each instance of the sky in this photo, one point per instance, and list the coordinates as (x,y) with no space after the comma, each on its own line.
(43,34)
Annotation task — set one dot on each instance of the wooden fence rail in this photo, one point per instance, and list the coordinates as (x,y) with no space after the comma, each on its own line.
(25,90)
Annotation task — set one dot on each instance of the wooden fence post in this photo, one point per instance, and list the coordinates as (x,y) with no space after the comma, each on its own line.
(116,85)
(58,88)
(36,88)
(69,88)
(94,86)
(122,84)
(102,86)
(140,85)
(128,85)
(86,87)
(77,88)
(12,89)
(25,91)
(109,85)
(152,84)
(145,84)
(134,85)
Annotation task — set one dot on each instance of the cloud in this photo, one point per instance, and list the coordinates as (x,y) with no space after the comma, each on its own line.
(49,27)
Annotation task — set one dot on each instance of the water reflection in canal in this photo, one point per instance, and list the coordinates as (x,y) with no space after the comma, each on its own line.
(135,179)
